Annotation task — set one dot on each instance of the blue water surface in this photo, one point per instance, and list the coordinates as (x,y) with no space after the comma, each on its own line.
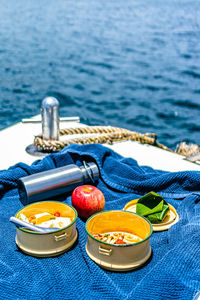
(133,64)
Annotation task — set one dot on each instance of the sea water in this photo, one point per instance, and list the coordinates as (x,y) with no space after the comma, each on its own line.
(133,64)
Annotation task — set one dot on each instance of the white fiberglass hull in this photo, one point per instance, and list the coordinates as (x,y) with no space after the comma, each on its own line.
(16,138)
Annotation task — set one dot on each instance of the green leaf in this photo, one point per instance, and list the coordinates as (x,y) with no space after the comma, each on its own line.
(153,207)
(158,217)
(149,204)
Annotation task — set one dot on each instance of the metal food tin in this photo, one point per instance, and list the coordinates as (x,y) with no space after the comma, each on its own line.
(118,257)
(47,244)
(171,218)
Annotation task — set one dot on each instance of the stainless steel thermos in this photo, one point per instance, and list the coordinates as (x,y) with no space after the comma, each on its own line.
(47,184)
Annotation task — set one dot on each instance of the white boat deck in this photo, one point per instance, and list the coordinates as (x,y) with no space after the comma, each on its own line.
(16,138)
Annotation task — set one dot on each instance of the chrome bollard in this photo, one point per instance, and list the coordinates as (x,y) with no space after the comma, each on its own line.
(50,118)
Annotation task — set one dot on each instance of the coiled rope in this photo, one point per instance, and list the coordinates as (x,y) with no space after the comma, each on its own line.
(103,134)
(185,149)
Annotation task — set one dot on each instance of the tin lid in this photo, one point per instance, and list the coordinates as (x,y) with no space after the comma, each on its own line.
(171,218)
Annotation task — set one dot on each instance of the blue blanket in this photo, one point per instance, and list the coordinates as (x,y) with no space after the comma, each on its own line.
(174,269)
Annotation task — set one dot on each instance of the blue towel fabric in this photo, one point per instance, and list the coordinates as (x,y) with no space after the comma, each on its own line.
(174,269)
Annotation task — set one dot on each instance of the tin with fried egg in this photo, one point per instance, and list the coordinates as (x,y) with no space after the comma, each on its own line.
(52,243)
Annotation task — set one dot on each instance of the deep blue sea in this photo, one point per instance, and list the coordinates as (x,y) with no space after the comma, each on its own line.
(133,64)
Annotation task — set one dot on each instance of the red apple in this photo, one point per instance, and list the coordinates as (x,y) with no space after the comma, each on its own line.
(87,200)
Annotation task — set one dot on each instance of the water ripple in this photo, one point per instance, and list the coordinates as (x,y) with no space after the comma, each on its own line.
(191,74)
(186,104)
